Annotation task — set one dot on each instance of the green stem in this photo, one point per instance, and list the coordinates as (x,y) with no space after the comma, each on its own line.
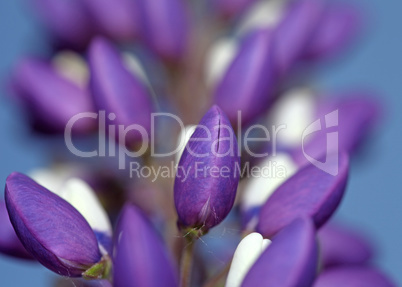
(186,264)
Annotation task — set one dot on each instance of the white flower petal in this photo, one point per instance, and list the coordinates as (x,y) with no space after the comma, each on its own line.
(134,66)
(275,170)
(263,14)
(219,58)
(296,109)
(183,138)
(80,195)
(247,252)
(52,178)
(72,67)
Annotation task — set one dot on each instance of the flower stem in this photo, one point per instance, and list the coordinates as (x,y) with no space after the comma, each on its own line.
(186,264)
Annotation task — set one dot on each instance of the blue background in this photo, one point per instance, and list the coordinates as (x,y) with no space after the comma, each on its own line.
(374,196)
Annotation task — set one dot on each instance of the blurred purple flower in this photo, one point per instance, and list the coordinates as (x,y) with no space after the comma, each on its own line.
(340,24)
(340,245)
(50,99)
(356,113)
(230,8)
(117,90)
(53,231)
(202,197)
(294,33)
(289,261)
(66,20)
(116,19)
(310,192)
(248,83)
(352,276)
(165,26)
(9,242)
(140,258)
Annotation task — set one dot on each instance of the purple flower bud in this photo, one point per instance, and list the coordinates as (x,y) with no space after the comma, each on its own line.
(340,245)
(140,257)
(208,174)
(352,276)
(355,116)
(310,192)
(51,99)
(67,21)
(294,32)
(164,27)
(247,85)
(289,261)
(118,91)
(339,25)
(116,19)
(53,231)
(9,242)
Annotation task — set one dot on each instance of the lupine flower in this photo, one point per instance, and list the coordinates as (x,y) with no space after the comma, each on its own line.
(116,19)
(9,242)
(354,116)
(352,276)
(140,258)
(289,261)
(247,252)
(261,186)
(340,245)
(310,192)
(67,21)
(118,91)
(339,26)
(61,180)
(50,98)
(80,195)
(164,27)
(202,197)
(51,230)
(293,34)
(248,80)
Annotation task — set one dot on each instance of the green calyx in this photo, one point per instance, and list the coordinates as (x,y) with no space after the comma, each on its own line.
(100,270)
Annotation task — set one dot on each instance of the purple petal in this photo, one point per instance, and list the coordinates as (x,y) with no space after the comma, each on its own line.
(356,276)
(165,27)
(230,8)
(67,20)
(247,84)
(203,195)
(53,231)
(118,91)
(310,192)
(9,242)
(356,116)
(340,245)
(117,19)
(339,25)
(294,32)
(50,99)
(140,257)
(289,261)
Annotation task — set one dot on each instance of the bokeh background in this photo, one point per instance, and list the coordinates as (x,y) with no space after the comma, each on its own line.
(374,196)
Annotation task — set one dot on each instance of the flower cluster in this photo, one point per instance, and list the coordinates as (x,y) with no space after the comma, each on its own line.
(259,149)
